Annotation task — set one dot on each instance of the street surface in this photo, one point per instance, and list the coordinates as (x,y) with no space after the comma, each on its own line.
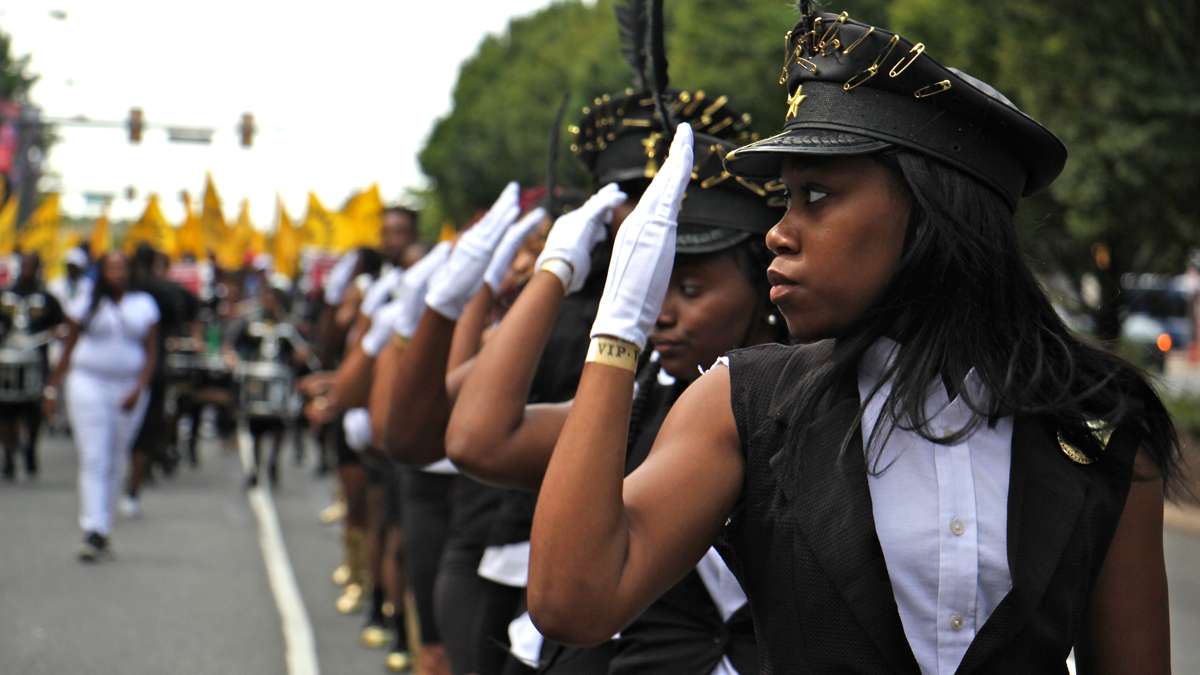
(189,589)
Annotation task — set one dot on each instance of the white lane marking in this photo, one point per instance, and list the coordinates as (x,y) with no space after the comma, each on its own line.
(298,643)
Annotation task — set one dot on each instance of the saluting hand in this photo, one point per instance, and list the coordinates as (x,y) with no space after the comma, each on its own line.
(509,245)
(411,295)
(644,251)
(462,275)
(575,234)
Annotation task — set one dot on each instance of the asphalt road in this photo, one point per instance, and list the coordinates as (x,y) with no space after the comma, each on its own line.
(188,590)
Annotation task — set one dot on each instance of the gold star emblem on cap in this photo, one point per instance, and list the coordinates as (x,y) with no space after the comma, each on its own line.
(794,101)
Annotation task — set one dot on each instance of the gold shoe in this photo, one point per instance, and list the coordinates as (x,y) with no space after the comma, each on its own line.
(350,600)
(341,575)
(332,513)
(375,637)
(398,662)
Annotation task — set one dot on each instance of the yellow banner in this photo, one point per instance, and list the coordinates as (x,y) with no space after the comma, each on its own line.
(285,243)
(100,239)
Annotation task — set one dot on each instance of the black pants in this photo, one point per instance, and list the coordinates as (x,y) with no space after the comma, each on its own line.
(426,526)
(29,413)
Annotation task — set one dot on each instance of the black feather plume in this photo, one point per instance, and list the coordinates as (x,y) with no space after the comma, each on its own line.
(552,205)
(631,33)
(656,53)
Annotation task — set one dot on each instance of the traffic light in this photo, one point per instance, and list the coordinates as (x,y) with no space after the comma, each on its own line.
(246,129)
(136,124)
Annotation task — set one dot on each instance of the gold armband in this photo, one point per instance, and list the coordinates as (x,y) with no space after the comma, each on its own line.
(613,352)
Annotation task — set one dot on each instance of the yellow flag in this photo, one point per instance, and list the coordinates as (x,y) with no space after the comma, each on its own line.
(100,240)
(190,235)
(361,219)
(317,228)
(151,228)
(231,253)
(40,235)
(8,226)
(212,221)
(343,235)
(285,243)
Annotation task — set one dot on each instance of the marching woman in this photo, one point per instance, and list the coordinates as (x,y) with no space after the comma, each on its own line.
(942,477)
(107,362)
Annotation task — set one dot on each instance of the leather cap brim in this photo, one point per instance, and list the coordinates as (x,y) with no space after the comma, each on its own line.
(701,239)
(763,159)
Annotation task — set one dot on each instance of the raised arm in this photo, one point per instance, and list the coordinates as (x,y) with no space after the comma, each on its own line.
(409,404)
(492,435)
(604,547)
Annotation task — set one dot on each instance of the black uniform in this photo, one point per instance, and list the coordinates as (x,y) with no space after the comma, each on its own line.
(829,584)
(31,303)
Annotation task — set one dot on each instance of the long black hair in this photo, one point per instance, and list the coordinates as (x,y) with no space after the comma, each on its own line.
(963,297)
(101,289)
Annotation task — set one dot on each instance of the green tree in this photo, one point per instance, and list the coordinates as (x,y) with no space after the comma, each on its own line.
(507,93)
(1115,80)
(15,78)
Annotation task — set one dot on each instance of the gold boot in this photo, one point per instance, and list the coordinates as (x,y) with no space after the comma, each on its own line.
(341,575)
(332,513)
(351,600)
(374,637)
(399,662)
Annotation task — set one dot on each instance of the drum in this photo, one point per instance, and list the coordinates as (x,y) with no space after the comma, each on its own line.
(265,389)
(21,375)
(183,366)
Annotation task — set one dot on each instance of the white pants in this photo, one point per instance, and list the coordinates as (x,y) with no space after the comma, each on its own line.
(103,435)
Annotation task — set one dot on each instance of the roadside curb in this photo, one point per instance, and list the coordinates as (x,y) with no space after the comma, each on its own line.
(1182,518)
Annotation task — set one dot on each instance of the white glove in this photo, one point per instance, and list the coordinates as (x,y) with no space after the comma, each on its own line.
(421,271)
(382,322)
(509,245)
(462,275)
(339,277)
(575,234)
(410,296)
(357,425)
(644,251)
(380,290)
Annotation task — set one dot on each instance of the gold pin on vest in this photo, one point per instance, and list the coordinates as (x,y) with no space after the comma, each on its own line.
(1102,433)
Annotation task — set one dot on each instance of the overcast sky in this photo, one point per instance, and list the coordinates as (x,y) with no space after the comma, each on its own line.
(343,92)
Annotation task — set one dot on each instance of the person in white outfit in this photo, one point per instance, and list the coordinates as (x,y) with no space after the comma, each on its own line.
(108,358)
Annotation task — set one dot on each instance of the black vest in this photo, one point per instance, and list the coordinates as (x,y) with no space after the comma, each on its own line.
(802,539)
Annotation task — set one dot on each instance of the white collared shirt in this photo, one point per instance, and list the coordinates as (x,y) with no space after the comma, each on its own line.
(941,512)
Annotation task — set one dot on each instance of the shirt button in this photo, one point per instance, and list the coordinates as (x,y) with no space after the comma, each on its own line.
(956,622)
(957,528)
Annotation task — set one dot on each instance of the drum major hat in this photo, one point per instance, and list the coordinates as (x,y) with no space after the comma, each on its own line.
(623,138)
(854,89)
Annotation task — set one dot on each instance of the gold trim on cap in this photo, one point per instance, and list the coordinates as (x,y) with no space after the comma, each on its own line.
(932,89)
(907,60)
(854,45)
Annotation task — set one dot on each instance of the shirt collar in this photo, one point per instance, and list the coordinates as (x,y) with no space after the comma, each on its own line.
(883,352)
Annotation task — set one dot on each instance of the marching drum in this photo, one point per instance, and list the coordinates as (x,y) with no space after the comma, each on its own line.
(265,389)
(183,366)
(21,375)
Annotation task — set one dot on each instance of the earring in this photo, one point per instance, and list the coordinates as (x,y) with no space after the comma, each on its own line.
(772,320)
